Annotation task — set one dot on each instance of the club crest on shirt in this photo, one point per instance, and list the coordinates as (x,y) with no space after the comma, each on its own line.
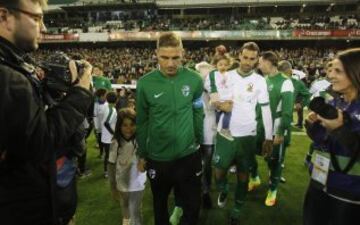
(250,87)
(152,173)
(270,87)
(185,90)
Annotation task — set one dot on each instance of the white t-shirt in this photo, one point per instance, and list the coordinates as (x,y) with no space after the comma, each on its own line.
(99,110)
(298,74)
(247,92)
(222,85)
(106,136)
(128,177)
(319,86)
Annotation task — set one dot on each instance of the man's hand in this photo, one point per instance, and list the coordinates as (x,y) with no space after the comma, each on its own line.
(85,78)
(312,117)
(141,165)
(298,106)
(278,139)
(332,124)
(225,106)
(267,148)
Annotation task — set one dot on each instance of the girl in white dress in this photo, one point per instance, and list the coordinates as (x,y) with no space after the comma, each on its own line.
(123,172)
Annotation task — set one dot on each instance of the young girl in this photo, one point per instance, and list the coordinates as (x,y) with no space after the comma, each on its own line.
(217,85)
(123,172)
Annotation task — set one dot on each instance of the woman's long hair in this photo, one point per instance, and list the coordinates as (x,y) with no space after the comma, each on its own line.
(351,62)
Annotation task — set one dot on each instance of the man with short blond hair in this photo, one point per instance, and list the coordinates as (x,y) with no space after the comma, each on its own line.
(169,129)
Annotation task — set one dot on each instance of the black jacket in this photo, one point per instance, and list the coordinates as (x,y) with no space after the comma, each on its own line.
(29,137)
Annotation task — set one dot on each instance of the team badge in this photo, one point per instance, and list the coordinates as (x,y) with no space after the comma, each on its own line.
(152,173)
(270,87)
(216,158)
(250,87)
(185,90)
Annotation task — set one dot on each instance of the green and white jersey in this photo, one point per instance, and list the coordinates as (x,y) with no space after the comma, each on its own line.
(248,91)
(281,93)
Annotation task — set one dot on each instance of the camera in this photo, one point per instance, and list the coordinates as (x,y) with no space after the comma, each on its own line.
(57,72)
(325,110)
(56,84)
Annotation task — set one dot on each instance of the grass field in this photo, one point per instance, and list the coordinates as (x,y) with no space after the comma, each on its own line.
(96,207)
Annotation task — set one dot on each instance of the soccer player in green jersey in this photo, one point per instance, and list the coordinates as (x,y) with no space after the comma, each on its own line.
(169,130)
(281,93)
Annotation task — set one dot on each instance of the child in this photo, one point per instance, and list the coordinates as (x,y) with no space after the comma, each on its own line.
(108,127)
(99,109)
(123,171)
(220,92)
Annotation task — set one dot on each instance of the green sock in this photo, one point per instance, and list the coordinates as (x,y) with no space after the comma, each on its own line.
(222,185)
(240,195)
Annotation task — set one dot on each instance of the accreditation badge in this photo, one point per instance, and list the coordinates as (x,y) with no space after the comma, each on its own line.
(321,169)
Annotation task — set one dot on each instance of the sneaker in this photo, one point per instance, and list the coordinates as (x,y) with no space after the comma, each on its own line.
(226,134)
(106,175)
(232,169)
(126,222)
(271,198)
(254,183)
(207,203)
(176,216)
(85,174)
(233,221)
(282,180)
(222,199)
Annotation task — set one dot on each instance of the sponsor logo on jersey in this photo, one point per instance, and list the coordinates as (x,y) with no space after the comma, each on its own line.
(158,95)
(250,87)
(185,90)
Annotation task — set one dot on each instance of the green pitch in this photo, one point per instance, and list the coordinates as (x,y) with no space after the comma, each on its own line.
(96,206)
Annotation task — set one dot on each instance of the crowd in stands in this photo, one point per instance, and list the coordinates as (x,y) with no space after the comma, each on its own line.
(150,22)
(126,65)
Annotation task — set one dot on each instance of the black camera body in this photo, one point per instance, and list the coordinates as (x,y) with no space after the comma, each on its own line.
(57,72)
(327,111)
(56,84)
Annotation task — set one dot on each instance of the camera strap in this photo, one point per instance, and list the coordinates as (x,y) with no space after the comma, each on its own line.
(349,166)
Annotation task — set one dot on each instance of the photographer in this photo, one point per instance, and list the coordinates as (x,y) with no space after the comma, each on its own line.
(333,196)
(29,135)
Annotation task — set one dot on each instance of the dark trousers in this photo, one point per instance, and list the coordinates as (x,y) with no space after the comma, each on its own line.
(82,158)
(184,175)
(106,158)
(300,114)
(322,209)
(206,155)
(98,139)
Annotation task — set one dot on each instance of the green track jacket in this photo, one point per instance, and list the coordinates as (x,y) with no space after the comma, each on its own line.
(169,114)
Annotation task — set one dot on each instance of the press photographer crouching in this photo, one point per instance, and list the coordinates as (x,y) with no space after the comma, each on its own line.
(333,196)
(33,131)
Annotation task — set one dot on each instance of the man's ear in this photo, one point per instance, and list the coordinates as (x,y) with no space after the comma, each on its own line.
(3,14)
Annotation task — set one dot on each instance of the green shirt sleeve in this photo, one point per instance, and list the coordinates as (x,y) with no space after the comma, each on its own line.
(198,112)
(287,99)
(142,120)
(213,88)
(304,93)
(108,85)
